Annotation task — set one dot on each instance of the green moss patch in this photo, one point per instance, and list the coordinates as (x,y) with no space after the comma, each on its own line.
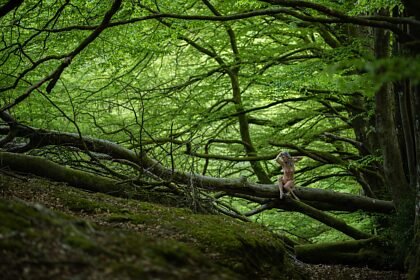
(57,246)
(107,236)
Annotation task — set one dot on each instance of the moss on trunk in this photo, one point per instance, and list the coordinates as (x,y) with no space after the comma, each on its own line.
(374,252)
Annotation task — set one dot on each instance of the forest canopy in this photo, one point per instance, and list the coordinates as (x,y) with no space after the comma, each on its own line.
(197,98)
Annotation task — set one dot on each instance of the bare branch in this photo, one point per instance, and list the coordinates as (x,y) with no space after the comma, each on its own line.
(55,75)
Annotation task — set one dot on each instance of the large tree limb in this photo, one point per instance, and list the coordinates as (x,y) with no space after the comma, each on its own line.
(331,200)
(373,252)
(327,219)
(46,168)
(334,17)
(379,22)
(39,166)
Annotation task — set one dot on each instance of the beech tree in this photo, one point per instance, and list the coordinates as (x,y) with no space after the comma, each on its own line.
(198,97)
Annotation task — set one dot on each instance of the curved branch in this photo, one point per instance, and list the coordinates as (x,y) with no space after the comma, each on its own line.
(260,209)
(380,22)
(285,100)
(374,21)
(359,145)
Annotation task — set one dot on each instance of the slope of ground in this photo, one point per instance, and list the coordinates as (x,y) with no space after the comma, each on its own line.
(49,230)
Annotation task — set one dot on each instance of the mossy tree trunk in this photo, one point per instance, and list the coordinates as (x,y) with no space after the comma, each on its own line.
(45,168)
(328,199)
(373,252)
(397,123)
(410,120)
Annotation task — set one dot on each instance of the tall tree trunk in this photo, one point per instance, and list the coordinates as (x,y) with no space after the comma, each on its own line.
(386,103)
(387,130)
(414,264)
(413,92)
(402,150)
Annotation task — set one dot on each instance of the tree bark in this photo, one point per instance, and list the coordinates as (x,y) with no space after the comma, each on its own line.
(80,179)
(373,252)
(327,219)
(45,168)
(334,200)
(412,9)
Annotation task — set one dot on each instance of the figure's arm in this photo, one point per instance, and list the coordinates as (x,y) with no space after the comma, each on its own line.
(279,160)
(296,159)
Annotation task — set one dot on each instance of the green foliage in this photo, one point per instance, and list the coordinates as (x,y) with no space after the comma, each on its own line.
(151,81)
(394,69)
(304,230)
(368,7)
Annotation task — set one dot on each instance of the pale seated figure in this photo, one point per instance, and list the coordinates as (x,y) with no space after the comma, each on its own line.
(286,182)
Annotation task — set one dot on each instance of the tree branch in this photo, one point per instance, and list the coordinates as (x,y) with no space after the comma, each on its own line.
(41,138)
(339,17)
(55,75)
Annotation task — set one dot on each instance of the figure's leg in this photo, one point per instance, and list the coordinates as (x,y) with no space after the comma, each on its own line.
(289,187)
(280,183)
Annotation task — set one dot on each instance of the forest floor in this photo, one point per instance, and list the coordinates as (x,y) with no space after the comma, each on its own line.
(106,211)
(342,272)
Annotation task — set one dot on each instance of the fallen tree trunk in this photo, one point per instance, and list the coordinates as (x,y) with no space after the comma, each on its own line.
(80,179)
(331,200)
(45,168)
(374,252)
